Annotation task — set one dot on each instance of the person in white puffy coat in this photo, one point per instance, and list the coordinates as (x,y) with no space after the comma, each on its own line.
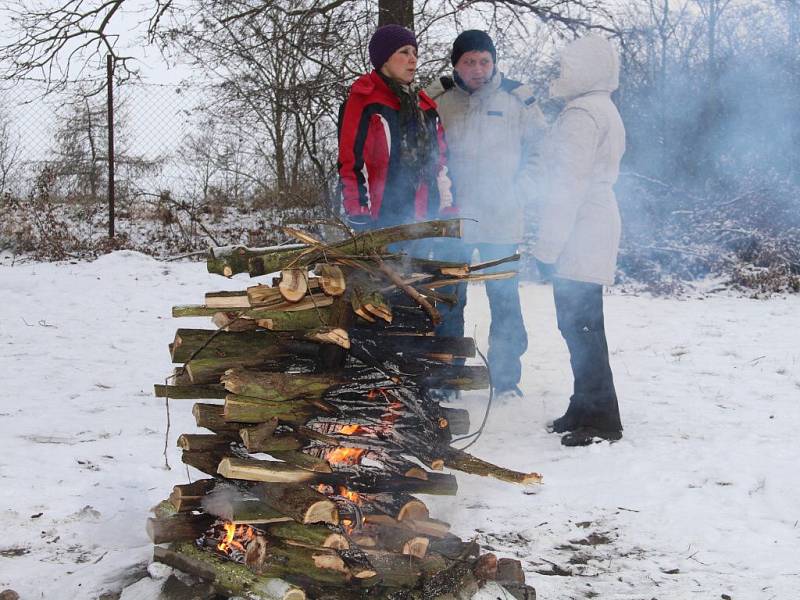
(579,229)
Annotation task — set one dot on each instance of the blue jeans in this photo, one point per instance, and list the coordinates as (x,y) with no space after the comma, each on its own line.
(508,339)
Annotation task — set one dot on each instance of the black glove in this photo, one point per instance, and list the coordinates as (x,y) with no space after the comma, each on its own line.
(546,270)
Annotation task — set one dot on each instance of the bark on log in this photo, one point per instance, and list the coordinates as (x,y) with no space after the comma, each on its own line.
(301,503)
(313,536)
(177,528)
(244,511)
(277,387)
(246,409)
(199,344)
(190,392)
(262,438)
(205,462)
(229,579)
(462,461)
(203,442)
(211,416)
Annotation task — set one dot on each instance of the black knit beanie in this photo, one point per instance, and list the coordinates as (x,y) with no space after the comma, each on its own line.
(472,40)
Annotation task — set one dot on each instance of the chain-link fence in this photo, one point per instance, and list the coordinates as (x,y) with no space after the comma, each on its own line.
(183,178)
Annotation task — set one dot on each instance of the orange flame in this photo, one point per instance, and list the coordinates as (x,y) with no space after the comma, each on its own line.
(349,494)
(235,538)
(345,456)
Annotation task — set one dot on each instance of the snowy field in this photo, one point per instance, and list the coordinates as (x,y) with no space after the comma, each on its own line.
(700,499)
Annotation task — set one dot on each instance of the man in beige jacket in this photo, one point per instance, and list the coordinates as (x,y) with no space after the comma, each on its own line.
(493,127)
(579,229)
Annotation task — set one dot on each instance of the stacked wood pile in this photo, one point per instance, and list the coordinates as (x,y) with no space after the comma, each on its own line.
(314,391)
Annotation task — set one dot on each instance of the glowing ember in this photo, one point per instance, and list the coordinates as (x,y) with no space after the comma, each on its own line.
(345,456)
(352,429)
(235,538)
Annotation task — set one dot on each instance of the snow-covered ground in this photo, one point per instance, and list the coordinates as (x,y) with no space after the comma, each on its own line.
(701,498)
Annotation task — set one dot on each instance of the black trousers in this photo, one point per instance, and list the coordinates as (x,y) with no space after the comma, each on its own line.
(579,310)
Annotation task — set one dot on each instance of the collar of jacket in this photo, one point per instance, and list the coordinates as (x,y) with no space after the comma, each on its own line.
(488,89)
(373,85)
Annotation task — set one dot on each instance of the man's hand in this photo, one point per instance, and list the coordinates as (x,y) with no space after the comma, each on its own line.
(546,270)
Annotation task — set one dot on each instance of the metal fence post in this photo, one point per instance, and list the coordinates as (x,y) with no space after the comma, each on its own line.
(110,84)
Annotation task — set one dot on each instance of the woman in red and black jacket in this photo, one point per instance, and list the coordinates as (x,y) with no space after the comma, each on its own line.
(392,155)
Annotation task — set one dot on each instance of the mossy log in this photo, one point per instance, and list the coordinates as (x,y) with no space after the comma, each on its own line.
(274,320)
(313,535)
(302,503)
(238,510)
(209,370)
(206,462)
(230,260)
(277,387)
(228,578)
(199,344)
(212,416)
(246,409)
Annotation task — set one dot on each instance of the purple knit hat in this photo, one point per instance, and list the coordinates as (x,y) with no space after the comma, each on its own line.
(386,41)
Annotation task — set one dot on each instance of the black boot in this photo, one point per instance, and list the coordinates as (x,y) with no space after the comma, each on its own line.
(570,420)
(599,421)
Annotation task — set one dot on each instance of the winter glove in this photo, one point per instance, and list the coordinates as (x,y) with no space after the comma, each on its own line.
(546,270)
(444,185)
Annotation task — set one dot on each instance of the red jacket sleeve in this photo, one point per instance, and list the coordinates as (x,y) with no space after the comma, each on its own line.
(355,195)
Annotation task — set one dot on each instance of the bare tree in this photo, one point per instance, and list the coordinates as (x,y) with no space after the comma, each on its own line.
(9,153)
